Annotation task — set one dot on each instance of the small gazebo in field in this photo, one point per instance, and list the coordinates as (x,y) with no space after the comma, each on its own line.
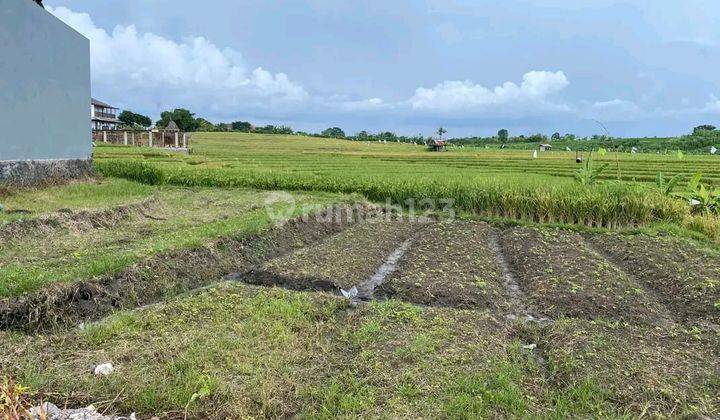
(170,135)
(436,145)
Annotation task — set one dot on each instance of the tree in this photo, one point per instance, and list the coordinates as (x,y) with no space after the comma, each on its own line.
(537,138)
(242,126)
(130,118)
(503,135)
(184,119)
(700,129)
(387,136)
(556,136)
(440,132)
(333,132)
(127,117)
(205,125)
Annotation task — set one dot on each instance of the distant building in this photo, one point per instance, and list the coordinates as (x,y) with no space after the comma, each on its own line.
(44,96)
(436,145)
(103,116)
(545,147)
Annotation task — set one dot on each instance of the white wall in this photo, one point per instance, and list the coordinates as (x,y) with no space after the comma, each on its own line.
(44,86)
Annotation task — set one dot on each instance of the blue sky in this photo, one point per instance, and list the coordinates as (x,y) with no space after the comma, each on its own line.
(641,67)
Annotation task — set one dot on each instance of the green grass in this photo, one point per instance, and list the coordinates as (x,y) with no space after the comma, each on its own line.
(182,218)
(74,196)
(238,351)
(506,184)
(252,352)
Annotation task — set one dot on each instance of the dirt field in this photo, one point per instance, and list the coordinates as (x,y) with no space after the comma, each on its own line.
(456,319)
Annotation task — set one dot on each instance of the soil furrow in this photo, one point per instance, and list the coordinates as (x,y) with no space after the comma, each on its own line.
(366,290)
(683,276)
(158,277)
(664,316)
(450,264)
(563,277)
(518,300)
(350,258)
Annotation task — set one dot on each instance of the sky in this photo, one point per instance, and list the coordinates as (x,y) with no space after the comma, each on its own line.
(638,67)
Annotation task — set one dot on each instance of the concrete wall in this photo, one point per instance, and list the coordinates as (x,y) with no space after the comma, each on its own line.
(44,86)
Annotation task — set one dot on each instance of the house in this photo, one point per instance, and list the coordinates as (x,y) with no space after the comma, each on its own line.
(545,147)
(436,145)
(45,96)
(103,116)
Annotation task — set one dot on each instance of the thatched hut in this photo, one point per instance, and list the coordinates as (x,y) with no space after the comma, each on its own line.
(436,145)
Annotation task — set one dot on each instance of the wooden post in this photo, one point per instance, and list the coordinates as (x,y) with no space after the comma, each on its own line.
(177,143)
(125,133)
(150,134)
(105,136)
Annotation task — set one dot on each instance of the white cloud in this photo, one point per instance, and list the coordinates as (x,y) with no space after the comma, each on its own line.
(533,94)
(615,104)
(615,110)
(712,106)
(146,71)
(371,104)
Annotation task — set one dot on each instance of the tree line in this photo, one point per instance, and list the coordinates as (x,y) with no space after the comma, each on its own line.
(187,121)
(702,136)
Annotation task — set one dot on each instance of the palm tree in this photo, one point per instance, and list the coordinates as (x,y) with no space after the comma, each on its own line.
(441,131)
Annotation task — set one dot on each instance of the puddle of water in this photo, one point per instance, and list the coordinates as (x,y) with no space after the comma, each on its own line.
(515,295)
(367,290)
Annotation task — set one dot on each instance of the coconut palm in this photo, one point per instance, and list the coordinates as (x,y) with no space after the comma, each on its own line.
(440,132)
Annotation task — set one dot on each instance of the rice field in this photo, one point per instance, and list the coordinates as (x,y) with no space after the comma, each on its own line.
(490,183)
(328,157)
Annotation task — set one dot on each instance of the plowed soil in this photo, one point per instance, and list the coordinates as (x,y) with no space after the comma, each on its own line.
(631,328)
